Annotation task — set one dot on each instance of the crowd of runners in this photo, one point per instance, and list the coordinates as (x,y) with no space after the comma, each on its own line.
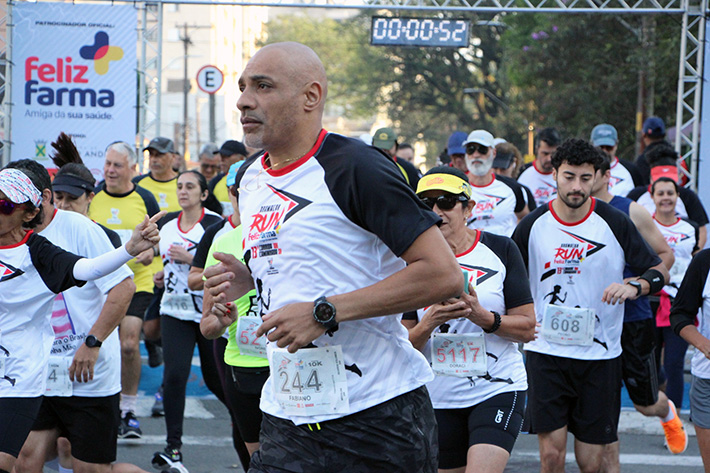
(351,313)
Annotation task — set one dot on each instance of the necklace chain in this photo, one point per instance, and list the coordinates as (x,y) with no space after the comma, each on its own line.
(270,167)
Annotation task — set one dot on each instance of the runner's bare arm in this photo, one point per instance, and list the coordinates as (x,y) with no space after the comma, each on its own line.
(118,299)
(432,274)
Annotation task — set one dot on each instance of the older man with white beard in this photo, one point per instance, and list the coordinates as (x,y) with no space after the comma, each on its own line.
(500,200)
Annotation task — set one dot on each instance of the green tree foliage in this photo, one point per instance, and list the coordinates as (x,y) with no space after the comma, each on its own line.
(575,71)
(420,89)
(568,71)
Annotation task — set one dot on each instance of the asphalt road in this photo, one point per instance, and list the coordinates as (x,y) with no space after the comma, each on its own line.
(207,444)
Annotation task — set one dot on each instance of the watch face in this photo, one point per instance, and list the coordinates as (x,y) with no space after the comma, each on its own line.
(324,311)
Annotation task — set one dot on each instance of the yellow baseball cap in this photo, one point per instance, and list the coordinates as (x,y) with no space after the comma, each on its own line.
(444,182)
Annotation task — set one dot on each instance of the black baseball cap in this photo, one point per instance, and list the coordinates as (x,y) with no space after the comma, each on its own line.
(231,147)
(72,185)
(161,145)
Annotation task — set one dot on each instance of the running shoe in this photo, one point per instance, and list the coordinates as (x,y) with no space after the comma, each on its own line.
(676,437)
(178,468)
(158,409)
(167,460)
(155,354)
(130,427)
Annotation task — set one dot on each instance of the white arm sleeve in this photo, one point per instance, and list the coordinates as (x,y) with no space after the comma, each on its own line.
(88,269)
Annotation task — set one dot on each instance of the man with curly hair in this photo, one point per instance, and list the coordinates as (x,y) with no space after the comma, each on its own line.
(575,245)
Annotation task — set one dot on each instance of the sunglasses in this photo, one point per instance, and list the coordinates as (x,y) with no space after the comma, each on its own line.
(444,202)
(473,147)
(7,207)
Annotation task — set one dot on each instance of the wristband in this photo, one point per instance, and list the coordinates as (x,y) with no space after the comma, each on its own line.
(655,279)
(496,322)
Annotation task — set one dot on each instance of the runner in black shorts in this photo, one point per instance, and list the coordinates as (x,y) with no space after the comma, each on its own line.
(480,411)
(576,248)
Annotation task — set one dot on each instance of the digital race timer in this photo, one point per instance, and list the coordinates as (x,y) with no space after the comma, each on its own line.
(397,31)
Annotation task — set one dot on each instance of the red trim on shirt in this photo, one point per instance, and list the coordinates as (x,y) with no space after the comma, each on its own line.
(616,161)
(297,163)
(493,179)
(539,171)
(475,242)
(591,209)
(663,224)
(193,226)
(229,219)
(22,242)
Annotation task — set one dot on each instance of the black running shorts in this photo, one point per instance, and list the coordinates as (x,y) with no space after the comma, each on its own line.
(397,436)
(584,395)
(495,421)
(90,424)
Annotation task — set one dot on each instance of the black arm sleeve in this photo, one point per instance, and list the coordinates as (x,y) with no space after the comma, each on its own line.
(166,218)
(54,265)
(695,209)
(412,315)
(203,248)
(690,294)
(370,192)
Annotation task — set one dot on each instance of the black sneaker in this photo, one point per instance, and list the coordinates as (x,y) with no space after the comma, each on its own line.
(169,460)
(130,427)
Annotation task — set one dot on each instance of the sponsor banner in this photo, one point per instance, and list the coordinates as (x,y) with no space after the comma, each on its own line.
(74,71)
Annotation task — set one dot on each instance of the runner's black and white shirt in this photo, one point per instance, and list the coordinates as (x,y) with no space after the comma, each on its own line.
(694,294)
(32,273)
(621,182)
(496,205)
(541,184)
(76,310)
(682,237)
(494,266)
(334,221)
(178,300)
(570,265)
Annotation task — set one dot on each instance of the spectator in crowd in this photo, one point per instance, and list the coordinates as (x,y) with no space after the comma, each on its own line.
(209,161)
(653,133)
(624,175)
(456,151)
(537,176)
(385,139)
(405,152)
(231,152)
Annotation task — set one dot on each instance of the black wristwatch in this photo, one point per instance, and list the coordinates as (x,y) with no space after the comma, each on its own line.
(637,285)
(92,342)
(324,313)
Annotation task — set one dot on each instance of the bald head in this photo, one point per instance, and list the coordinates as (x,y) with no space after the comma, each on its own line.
(283,96)
(300,61)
